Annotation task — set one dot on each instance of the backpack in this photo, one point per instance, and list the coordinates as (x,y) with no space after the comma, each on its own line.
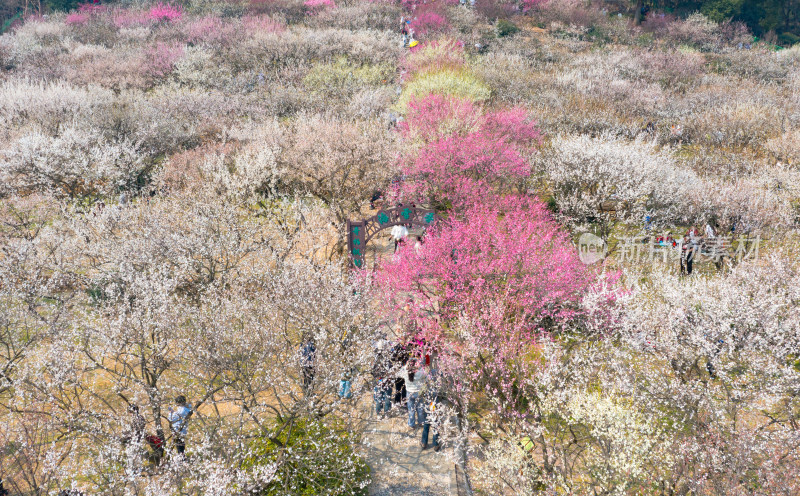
(154,442)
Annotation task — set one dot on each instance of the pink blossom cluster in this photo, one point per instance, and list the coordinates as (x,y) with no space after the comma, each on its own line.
(162,58)
(84,13)
(208,29)
(125,18)
(316,5)
(496,276)
(509,250)
(428,22)
(165,12)
(465,153)
(528,5)
(427,16)
(486,287)
(77,19)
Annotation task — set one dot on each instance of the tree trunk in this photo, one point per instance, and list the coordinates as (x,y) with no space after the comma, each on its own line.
(155,408)
(637,16)
(461,454)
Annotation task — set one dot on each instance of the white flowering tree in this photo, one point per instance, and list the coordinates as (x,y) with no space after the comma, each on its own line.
(76,163)
(339,162)
(692,390)
(718,366)
(203,302)
(591,177)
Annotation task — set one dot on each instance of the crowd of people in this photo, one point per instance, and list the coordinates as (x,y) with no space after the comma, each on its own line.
(404,378)
(694,244)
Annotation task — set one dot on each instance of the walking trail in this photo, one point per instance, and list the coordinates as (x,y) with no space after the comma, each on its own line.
(399,464)
(400,467)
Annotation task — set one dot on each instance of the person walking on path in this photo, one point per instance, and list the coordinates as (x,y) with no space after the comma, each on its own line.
(399,358)
(690,249)
(415,377)
(430,417)
(308,355)
(346,383)
(687,256)
(179,422)
(399,233)
(382,391)
(431,397)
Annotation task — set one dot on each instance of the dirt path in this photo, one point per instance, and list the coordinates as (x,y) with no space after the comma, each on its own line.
(400,466)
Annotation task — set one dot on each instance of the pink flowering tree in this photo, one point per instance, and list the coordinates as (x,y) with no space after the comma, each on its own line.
(482,293)
(127,18)
(162,12)
(486,287)
(162,57)
(428,22)
(77,18)
(529,5)
(85,12)
(314,6)
(464,153)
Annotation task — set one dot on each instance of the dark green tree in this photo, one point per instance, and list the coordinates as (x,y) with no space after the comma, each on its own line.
(761,16)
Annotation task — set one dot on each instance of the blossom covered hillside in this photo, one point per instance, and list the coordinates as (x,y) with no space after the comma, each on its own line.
(603,298)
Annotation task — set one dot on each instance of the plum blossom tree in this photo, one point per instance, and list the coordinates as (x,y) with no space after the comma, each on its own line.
(722,358)
(484,291)
(201,302)
(691,390)
(464,153)
(77,163)
(697,381)
(339,162)
(586,173)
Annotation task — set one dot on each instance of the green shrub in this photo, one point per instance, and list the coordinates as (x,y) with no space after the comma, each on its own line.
(788,39)
(342,75)
(312,458)
(645,39)
(505,28)
(460,84)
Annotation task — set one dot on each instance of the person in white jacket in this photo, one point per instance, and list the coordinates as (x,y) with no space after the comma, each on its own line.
(415,377)
(399,233)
